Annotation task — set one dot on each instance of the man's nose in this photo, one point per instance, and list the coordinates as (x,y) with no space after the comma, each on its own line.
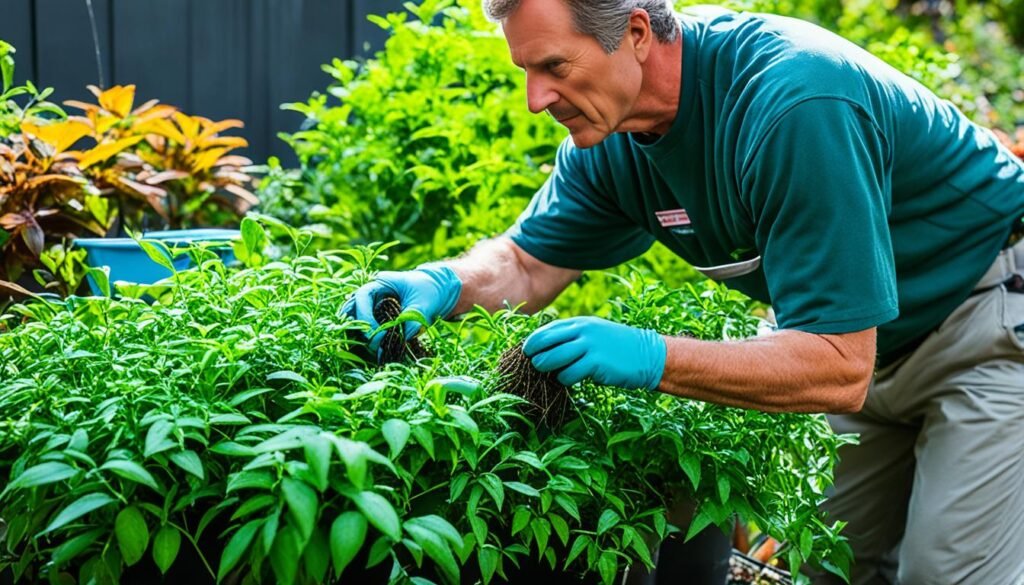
(539,94)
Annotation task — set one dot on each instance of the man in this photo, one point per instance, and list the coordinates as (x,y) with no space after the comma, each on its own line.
(874,217)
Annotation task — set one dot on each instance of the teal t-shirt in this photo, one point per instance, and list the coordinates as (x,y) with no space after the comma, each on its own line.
(870,201)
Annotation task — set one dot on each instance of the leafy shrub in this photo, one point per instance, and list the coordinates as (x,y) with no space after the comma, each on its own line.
(433,148)
(148,167)
(236,412)
(12,114)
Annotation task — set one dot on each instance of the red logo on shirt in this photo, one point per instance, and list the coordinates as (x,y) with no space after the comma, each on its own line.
(672,217)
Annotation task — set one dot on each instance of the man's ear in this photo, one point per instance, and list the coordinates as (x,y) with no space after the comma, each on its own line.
(639,33)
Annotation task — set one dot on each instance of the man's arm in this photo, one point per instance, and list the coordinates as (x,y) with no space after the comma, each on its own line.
(498,271)
(787,371)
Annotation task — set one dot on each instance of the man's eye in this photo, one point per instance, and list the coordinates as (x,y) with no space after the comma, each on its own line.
(554,66)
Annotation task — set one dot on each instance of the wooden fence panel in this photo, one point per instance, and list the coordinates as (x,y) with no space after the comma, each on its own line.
(152,50)
(65,52)
(16,29)
(214,58)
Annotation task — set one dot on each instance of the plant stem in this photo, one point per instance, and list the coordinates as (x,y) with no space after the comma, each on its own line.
(96,42)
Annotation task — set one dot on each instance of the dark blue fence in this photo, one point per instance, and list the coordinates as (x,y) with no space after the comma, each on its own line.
(215,58)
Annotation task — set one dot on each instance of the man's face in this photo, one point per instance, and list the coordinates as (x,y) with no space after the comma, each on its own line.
(568,73)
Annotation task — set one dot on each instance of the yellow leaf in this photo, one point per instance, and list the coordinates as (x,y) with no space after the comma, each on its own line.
(189,126)
(153,113)
(60,135)
(118,100)
(226,141)
(105,151)
(218,127)
(207,159)
(167,129)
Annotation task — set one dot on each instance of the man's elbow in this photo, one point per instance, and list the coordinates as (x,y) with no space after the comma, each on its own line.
(853,391)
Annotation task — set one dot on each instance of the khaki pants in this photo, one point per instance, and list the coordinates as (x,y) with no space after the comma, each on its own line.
(934,493)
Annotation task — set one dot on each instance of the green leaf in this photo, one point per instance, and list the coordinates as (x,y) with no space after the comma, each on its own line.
(437,549)
(521,519)
(700,522)
(253,236)
(132,534)
(561,527)
(77,509)
(42,474)
(131,470)
(479,528)
(237,547)
(302,505)
(158,253)
(290,376)
(353,453)
(691,466)
(439,526)
(190,462)
(318,451)
(396,433)
(542,532)
(317,557)
(640,547)
(71,548)
(608,566)
(380,513)
(285,555)
(608,519)
(806,543)
(569,505)
(488,557)
(578,546)
(166,544)
(522,488)
(157,438)
(492,483)
(723,488)
(348,533)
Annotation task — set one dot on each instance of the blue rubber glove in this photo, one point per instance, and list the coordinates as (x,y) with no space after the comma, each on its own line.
(608,353)
(433,290)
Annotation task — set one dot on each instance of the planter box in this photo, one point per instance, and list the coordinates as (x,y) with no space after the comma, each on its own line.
(128,262)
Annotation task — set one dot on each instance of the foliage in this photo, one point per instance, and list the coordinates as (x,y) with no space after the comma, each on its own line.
(174,164)
(149,167)
(34,111)
(42,194)
(235,411)
(432,148)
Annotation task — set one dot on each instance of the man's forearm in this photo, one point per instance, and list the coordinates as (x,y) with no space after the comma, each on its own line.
(788,371)
(496,274)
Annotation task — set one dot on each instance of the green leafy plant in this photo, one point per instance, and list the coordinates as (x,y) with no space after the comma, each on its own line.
(232,422)
(35,110)
(431,148)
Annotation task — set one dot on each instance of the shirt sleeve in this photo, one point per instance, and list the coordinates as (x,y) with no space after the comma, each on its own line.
(819,191)
(572,222)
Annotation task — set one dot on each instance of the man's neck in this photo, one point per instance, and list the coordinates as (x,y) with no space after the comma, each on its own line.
(658,102)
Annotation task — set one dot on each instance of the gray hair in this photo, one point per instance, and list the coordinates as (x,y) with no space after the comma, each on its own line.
(605,20)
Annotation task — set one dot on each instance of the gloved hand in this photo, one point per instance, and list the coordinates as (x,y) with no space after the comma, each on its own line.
(606,352)
(433,290)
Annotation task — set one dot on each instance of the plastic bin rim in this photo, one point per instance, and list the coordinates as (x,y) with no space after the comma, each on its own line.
(170,237)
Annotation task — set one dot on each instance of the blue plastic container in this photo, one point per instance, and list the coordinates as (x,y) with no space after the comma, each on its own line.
(128,261)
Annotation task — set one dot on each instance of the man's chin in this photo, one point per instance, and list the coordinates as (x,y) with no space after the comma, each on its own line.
(586,138)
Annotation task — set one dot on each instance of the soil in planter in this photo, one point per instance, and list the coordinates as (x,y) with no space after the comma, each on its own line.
(395,347)
(548,400)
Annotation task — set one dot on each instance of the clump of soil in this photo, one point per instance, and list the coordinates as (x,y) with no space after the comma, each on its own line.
(548,400)
(395,347)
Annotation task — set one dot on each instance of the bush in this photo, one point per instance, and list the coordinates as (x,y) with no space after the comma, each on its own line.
(236,412)
(431,148)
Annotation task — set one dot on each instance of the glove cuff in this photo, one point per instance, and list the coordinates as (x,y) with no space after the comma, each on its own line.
(656,352)
(449,286)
